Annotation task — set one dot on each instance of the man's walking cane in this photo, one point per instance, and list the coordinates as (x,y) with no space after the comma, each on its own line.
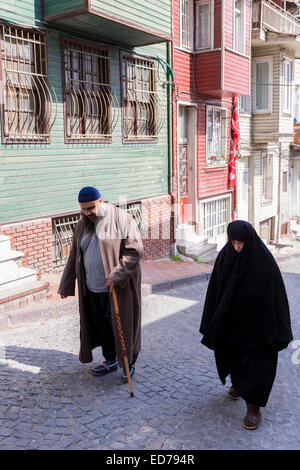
(122,340)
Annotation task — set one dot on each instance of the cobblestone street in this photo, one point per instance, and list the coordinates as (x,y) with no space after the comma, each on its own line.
(49,400)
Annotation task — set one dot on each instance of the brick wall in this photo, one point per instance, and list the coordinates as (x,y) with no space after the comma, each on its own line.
(158,219)
(34,239)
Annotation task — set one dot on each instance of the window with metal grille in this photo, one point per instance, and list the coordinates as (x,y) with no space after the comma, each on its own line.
(63,228)
(62,237)
(216,136)
(90,105)
(139,99)
(135,210)
(27,98)
(186,24)
(216,216)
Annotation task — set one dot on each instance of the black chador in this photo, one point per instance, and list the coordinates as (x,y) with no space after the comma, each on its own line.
(246,318)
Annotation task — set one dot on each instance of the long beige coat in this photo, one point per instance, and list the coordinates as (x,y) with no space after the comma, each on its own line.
(121,249)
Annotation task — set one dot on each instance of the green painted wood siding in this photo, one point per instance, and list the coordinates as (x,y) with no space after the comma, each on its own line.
(96,26)
(153,14)
(44,179)
(24,11)
(55,7)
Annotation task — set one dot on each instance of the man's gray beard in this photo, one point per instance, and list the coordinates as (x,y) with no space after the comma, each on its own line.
(91,224)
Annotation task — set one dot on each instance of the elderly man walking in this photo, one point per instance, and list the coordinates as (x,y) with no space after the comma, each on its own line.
(106,253)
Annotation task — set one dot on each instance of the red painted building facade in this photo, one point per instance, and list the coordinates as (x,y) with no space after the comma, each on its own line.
(211,64)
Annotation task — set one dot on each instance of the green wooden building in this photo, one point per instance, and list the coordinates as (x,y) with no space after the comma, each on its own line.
(85,92)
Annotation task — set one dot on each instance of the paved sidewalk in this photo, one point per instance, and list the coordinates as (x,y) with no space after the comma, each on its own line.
(48,400)
(156,275)
(167,273)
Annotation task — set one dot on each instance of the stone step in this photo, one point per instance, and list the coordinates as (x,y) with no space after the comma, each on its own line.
(16,277)
(207,252)
(209,256)
(191,248)
(18,285)
(4,243)
(184,246)
(19,297)
(9,255)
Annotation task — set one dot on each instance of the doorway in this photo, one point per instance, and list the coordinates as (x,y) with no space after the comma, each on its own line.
(186,164)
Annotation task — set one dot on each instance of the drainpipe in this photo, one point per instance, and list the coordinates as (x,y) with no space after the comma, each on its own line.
(170,146)
(170,120)
(279,194)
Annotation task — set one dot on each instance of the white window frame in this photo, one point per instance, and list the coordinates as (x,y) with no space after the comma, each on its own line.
(287,109)
(221,162)
(264,181)
(211,30)
(245,104)
(268,110)
(190,4)
(241,41)
(202,220)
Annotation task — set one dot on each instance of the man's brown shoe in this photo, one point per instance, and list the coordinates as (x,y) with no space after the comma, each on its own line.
(253,416)
(233,394)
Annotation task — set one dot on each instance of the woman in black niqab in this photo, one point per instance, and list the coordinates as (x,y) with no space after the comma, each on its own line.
(246,318)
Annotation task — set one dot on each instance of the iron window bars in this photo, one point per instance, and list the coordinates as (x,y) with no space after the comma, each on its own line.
(63,228)
(91,107)
(139,99)
(62,237)
(216,137)
(216,216)
(28,98)
(186,24)
(135,210)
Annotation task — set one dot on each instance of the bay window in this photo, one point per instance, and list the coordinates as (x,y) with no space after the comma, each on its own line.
(204,26)
(239,26)
(263,85)
(287,74)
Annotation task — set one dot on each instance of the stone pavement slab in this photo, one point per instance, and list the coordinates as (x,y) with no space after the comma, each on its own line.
(49,400)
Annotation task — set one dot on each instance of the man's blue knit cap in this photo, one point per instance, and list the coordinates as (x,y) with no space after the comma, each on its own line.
(88,193)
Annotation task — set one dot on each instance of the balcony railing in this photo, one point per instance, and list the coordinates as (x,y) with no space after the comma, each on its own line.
(269,15)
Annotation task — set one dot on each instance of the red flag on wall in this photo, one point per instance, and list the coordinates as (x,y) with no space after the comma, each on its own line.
(235,135)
